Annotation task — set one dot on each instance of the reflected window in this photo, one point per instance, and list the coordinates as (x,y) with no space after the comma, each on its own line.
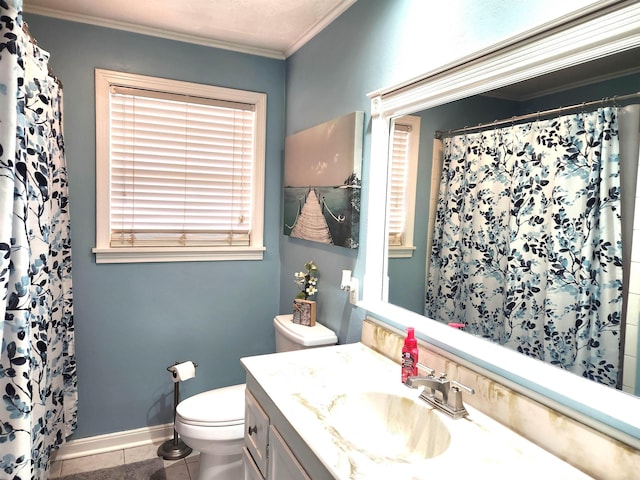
(405,147)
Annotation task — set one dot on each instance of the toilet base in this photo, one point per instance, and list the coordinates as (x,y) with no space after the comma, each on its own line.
(174,449)
(220,467)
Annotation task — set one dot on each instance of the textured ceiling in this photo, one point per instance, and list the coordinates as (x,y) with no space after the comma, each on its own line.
(273,28)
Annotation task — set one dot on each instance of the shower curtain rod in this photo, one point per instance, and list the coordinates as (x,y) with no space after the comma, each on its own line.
(602,102)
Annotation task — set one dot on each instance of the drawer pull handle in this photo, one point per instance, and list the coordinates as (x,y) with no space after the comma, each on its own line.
(253,430)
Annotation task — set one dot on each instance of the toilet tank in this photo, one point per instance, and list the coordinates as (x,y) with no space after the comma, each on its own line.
(292,336)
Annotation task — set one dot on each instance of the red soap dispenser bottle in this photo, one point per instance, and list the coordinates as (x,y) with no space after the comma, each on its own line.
(409,355)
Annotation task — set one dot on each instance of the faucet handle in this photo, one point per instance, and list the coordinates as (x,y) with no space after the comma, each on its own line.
(430,371)
(456,384)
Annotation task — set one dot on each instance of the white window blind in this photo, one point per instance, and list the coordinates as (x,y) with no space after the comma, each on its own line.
(398,183)
(181,170)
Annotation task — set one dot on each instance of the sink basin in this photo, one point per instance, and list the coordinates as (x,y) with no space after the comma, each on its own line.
(389,426)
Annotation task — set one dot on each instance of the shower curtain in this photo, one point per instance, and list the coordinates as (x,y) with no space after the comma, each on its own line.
(527,248)
(37,363)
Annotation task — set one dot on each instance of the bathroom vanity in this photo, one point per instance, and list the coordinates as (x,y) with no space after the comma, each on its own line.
(266,454)
(342,412)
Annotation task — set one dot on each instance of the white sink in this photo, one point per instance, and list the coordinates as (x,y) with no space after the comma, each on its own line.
(385,425)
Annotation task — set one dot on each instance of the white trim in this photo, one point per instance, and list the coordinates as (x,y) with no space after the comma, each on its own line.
(580,16)
(527,59)
(614,29)
(153,32)
(338,10)
(186,254)
(113,441)
(401,251)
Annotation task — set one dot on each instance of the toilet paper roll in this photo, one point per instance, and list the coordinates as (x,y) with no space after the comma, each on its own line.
(345,284)
(183,371)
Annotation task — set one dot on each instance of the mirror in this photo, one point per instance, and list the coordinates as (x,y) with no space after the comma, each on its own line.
(611,77)
(527,60)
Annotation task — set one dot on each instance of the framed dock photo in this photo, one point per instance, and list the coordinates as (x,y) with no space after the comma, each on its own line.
(322,182)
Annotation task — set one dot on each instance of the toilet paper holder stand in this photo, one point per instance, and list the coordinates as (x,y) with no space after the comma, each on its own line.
(174,448)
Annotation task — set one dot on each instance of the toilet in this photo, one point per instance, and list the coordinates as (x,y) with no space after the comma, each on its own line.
(212,422)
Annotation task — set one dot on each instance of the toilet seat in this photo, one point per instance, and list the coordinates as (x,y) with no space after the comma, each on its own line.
(222,407)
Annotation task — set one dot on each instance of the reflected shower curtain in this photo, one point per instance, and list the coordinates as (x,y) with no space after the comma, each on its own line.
(37,363)
(527,248)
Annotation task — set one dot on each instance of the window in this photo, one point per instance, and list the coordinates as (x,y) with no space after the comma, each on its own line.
(402,187)
(180,170)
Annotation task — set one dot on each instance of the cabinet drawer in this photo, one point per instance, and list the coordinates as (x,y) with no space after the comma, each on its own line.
(251,471)
(256,433)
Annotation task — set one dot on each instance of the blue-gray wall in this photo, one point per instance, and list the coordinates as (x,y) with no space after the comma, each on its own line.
(134,320)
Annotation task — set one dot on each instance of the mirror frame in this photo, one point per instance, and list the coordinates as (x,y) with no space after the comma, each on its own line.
(567,42)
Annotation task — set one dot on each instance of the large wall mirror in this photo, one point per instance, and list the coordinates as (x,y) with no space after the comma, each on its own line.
(582,60)
(612,80)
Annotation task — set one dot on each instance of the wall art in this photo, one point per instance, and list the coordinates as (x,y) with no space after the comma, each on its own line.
(322,182)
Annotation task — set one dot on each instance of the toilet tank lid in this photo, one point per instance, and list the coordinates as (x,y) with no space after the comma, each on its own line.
(306,336)
(221,406)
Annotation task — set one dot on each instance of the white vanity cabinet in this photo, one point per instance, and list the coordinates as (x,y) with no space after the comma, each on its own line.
(265,453)
(256,434)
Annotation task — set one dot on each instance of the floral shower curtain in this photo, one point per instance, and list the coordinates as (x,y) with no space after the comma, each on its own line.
(527,249)
(37,363)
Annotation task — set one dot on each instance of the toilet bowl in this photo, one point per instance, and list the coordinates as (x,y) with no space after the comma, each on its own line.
(212,422)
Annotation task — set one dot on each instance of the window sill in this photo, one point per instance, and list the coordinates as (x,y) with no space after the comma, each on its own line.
(183,254)
(401,251)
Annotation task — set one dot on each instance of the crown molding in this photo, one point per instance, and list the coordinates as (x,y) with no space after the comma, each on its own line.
(339,9)
(318,27)
(154,32)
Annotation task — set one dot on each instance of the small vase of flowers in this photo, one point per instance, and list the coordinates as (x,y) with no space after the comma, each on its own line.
(304,310)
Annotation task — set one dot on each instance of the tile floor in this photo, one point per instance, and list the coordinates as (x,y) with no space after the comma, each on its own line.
(183,469)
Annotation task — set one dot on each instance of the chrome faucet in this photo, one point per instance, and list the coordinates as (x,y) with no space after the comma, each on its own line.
(441,393)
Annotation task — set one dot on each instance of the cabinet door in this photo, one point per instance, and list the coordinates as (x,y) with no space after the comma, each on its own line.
(251,471)
(256,433)
(282,464)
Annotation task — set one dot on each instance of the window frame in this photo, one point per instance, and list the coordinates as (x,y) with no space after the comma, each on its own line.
(406,249)
(104,253)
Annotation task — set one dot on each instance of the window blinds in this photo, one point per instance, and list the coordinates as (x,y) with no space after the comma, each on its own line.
(181,170)
(398,183)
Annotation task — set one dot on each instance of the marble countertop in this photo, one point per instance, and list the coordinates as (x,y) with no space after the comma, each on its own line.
(305,385)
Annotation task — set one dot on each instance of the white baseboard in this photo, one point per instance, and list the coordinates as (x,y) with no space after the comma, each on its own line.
(113,441)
